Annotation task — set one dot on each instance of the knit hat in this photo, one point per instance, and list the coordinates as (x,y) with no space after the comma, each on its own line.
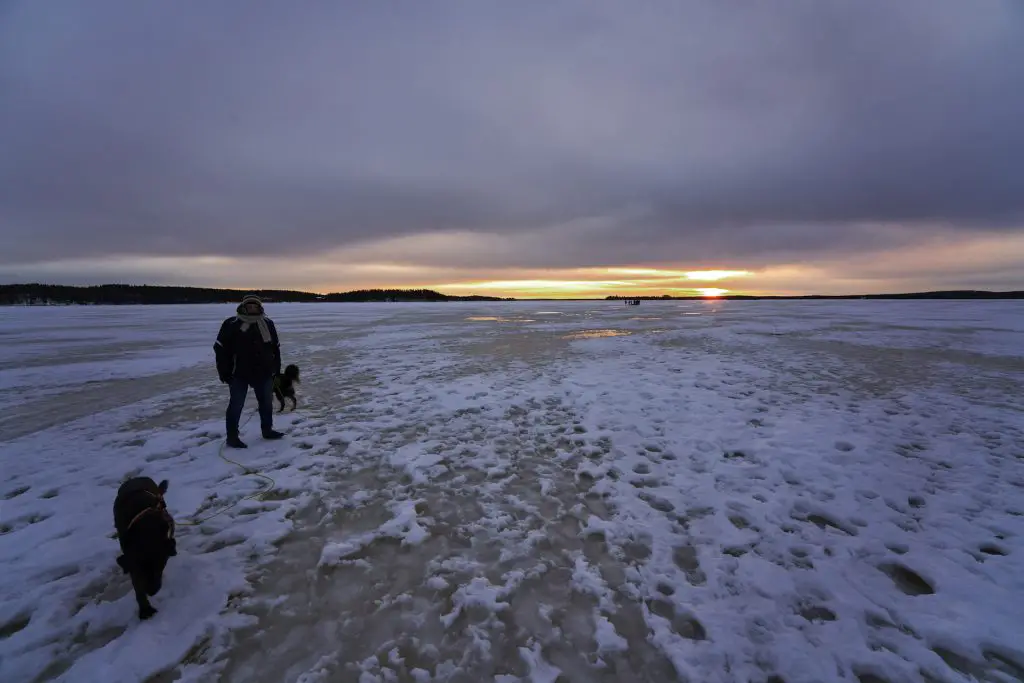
(249,299)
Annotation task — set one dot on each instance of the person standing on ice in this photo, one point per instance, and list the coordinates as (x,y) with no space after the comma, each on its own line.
(248,355)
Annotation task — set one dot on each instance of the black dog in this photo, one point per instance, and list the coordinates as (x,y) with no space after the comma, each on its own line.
(145,531)
(284,386)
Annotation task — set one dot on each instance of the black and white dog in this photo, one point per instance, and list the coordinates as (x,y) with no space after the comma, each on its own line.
(284,386)
(145,531)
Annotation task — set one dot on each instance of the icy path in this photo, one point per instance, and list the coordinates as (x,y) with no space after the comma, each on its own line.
(536,492)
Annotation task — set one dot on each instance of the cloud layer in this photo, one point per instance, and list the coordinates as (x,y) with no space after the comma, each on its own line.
(528,135)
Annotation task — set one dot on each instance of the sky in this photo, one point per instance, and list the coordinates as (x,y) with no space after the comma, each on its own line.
(522,149)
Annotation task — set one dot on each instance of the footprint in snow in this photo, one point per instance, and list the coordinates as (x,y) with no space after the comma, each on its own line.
(800,558)
(24,521)
(740,521)
(906,579)
(61,572)
(637,551)
(683,624)
(685,558)
(658,503)
(993,549)
(14,493)
(156,457)
(817,613)
(15,624)
(825,521)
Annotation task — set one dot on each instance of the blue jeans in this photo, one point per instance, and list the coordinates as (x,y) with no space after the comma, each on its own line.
(264,390)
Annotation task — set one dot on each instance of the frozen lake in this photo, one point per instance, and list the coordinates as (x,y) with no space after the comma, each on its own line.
(550,492)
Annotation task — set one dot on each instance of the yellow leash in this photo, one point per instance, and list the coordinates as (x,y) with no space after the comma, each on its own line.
(245,470)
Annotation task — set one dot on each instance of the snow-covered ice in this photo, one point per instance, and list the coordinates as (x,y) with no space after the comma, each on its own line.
(698,491)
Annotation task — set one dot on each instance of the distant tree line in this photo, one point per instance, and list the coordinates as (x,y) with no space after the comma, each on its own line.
(114,294)
(663,297)
(953,294)
(403,295)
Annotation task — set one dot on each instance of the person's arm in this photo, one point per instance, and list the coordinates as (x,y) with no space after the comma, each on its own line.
(224,348)
(276,342)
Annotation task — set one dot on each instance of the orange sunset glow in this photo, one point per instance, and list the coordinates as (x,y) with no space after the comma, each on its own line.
(596,283)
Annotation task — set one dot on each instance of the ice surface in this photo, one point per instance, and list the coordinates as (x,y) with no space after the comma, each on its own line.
(701,491)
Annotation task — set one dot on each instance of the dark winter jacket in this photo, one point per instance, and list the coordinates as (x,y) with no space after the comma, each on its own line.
(244,354)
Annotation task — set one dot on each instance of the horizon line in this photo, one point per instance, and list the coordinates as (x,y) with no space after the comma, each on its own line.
(494,298)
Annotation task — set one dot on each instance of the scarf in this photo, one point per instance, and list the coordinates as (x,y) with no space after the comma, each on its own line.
(258,320)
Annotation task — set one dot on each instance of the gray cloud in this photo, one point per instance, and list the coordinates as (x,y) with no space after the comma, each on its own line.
(685,130)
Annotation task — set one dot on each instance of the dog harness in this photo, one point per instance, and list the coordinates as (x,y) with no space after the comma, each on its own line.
(161,508)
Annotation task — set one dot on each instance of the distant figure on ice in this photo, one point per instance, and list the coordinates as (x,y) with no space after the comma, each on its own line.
(249,355)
